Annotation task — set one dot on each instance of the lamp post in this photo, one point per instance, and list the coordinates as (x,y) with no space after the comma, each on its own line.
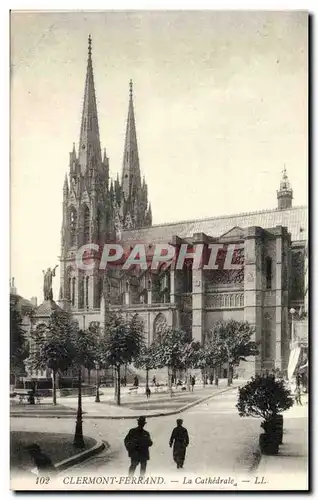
(97,400)
(292,312)
(78,438)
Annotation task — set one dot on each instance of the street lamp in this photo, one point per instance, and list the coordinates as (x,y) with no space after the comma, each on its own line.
(97,400)
(78,438)
(292,312)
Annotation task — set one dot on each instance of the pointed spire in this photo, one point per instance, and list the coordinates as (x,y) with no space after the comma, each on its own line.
(105,157)
(148,218)
(285,193)
(89,146)
(131,180)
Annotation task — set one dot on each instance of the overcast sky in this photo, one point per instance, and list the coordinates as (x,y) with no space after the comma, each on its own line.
(220,106)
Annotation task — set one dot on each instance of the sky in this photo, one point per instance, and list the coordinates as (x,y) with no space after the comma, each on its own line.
(220,105)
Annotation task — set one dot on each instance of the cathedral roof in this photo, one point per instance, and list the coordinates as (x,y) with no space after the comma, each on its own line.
(295,219)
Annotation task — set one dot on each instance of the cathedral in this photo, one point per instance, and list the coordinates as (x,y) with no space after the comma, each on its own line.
(271,282)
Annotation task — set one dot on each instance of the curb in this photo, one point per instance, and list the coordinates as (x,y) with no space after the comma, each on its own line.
(126,417)
(81,457)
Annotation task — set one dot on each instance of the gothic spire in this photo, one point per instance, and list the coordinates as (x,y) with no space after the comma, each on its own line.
(131,181)
(285,193)
(89,146)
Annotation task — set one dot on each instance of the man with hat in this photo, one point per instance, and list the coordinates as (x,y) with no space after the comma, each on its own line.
(137,443)
(180,440)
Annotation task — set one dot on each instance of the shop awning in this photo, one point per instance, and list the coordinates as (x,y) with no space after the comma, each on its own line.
(293,360)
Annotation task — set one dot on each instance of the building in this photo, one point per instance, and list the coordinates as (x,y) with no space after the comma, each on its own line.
(270,247)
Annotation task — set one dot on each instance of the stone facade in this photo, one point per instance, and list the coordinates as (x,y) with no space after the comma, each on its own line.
(268,243)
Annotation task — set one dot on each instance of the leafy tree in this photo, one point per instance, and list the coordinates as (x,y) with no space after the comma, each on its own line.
(53,346)
(169,352)
(122,344)
(146,360)
(233,339)
(18,344)
(263,396)
(192,356)
(214,356)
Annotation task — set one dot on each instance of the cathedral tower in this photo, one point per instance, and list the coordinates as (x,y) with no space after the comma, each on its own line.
(285,193)
(96,208)
(134,208)
(87,214)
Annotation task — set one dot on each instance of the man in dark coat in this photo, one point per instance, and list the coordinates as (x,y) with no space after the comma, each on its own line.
(42,462)
(180,440)
(137,443)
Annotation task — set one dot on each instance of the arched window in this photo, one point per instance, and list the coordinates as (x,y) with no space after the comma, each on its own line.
(86,290)
(268,271)
(187,270)
(86,225)
(69,288)
(73,225)
(159,327)
(73,291)
(98,225)
(81,293)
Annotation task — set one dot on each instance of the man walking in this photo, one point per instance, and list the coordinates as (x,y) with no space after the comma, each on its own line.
(180,440)
(137,443)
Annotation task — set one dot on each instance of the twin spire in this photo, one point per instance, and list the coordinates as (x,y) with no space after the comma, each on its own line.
(89,145)
(134,202)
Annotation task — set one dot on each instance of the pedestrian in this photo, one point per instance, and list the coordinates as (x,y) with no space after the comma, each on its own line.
(192,383)
(136,381)
(42,462)
(137,443)
(154,380)
(298,395)
(180,440)
(148,392)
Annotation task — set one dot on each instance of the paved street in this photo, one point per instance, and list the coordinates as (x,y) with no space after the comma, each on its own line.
(220,441)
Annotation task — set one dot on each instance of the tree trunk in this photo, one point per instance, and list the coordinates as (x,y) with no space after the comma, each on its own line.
(89,377)
(118,384)
(188,381)
(216,374)
(78,438)
(230,374)
(54,386)
(203,376)
(212,375)
(170,381)
(147,379)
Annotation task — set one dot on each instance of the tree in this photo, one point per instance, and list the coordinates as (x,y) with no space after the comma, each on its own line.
(214,356)
(264,396)
(192,356)
(122,343)
(18,345)
(233,339)
(146,361)
(169,352)
(53,346)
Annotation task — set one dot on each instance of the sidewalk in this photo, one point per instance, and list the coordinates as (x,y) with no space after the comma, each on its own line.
(162,405)
(289,469)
